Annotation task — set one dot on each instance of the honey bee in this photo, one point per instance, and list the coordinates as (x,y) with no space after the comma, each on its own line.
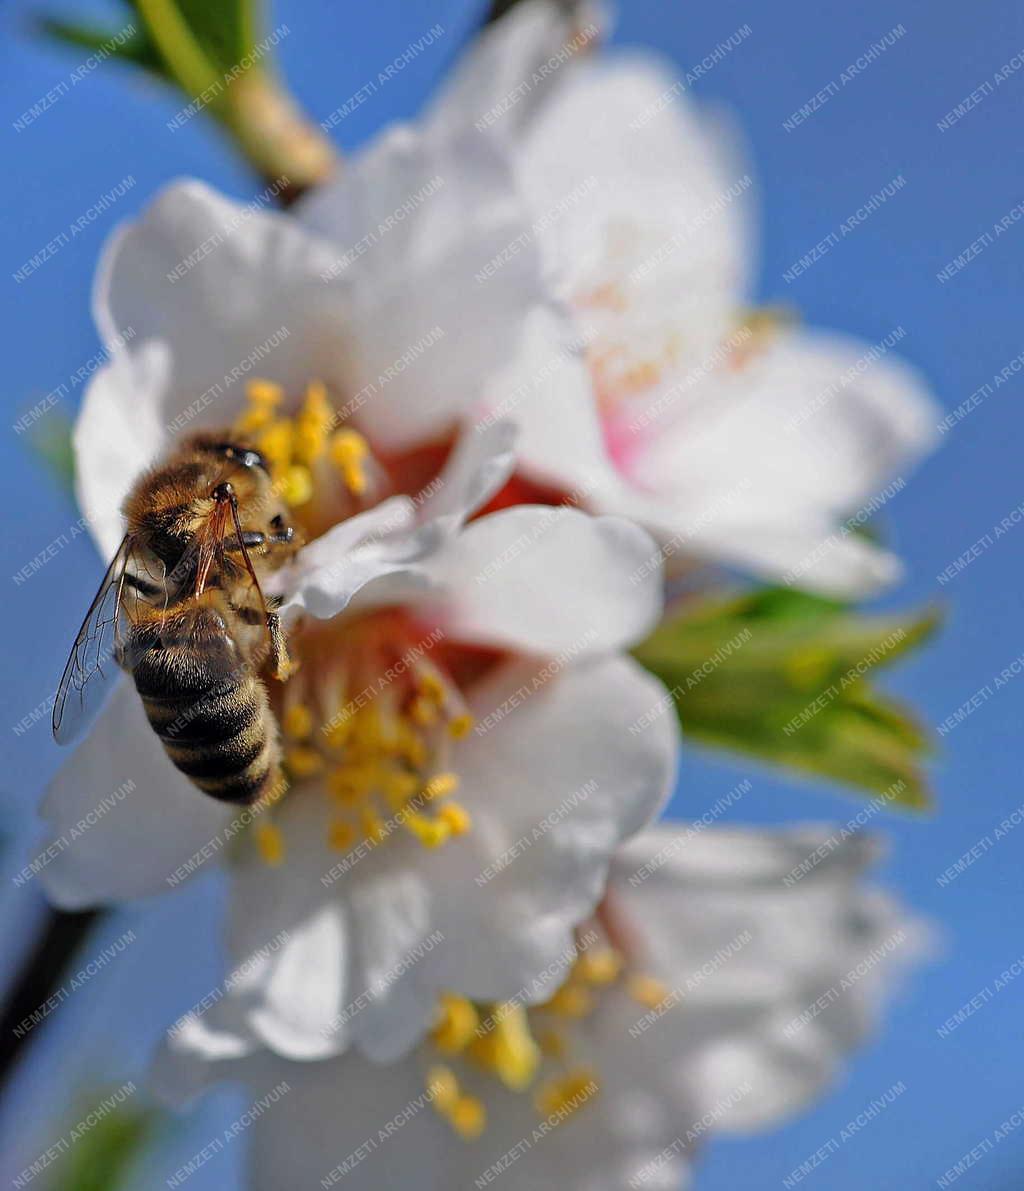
(182,610)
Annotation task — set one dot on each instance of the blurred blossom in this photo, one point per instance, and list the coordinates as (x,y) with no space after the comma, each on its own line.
(731,433)
(710,994)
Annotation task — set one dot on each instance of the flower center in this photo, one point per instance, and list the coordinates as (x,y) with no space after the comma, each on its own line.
(368,718)
(541,1049)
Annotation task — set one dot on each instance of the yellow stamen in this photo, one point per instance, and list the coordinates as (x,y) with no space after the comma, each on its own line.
(646,990)
(372,826)
(508,1048)
(263,392)
(431,833)
(460,726)
(303,761)
(455,817)
(468,1117)
(443,1087)
(275,442)
(432,686)
(341,836)
(423,711)
(338,732)
(399,787)
(571,1000)
(551,1043)
(349,452)
(257,418)
(457,1026)
(600,966)
(313,423)
(566,1094)
(440,786)
(270,842)
(296,485)
(298,721)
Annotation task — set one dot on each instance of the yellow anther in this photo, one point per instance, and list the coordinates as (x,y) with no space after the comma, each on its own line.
(432,686)
(296,485)
(276,444)
(341,836)
(349,452)
(303,761)
(399,787)
(600,966)
(458,1024)
(566,1094)
(551,1044)
(508,1048)
(442,1087)
(263,392)
(460,726)
(255,419)
(571,1000)
(410,746)
(373,827)
(468,1117)
(423,711)
(338,731)
(297,721)
(441,785)
(313,423)
(431,833)
(270,842)
(346,784)
(646,990)
(456,817)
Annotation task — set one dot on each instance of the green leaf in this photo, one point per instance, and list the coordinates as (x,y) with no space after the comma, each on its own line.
(103,1155)
(136,48)
(50,441)
(788,678)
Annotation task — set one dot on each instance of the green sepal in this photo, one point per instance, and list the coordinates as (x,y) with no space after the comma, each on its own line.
(787,677)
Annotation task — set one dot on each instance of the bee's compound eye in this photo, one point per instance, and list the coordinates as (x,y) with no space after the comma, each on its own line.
(253,459)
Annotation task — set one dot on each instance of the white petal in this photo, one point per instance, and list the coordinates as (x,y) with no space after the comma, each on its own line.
(483,459)
(331,570)
(125,820)
(383,556)
(547,391)
(118,434)
(234,291)
(766,458)
(408,922)
(505,76)
(778,954)
(548,580)
(428,329)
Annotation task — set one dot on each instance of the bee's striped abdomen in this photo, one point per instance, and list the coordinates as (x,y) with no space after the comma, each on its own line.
(210,711)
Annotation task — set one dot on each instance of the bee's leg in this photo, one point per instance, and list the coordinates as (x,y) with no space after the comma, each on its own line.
(281,665)
(252,539)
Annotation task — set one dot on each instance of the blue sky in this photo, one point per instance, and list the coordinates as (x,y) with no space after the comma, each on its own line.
(881,124)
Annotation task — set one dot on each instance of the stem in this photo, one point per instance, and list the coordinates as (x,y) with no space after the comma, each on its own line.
(266,124)
(60,935)
(275,136)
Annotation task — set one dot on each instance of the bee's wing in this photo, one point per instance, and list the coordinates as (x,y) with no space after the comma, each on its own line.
(96,653)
